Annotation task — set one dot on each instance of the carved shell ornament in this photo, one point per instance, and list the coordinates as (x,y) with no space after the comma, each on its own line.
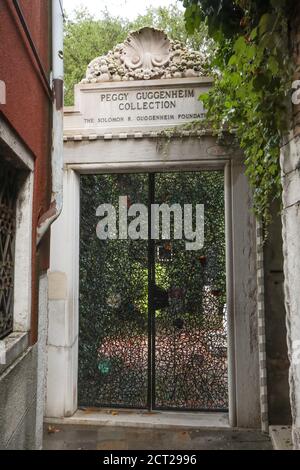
(146,54)
(146,50)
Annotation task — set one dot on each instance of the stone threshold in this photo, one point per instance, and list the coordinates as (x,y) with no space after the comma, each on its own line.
(281,437)
(145,419)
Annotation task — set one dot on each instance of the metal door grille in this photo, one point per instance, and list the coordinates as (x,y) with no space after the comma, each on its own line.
(153,330)
(113,338)
(8,194)
(189,356)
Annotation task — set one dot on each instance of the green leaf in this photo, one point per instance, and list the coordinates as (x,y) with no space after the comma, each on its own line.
(266,23)
(239,45)
(232,60)
(253,84)
(253,34)
(250,52)
(273,65)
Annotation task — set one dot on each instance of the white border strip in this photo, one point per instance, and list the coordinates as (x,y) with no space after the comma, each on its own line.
(261,328)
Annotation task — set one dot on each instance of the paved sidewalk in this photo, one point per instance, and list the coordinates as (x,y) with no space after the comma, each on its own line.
(79,437)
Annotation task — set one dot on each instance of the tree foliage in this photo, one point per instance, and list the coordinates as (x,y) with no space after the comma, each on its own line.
(253,81)
(87,38)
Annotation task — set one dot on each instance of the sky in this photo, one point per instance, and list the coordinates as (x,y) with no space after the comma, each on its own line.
(124,8)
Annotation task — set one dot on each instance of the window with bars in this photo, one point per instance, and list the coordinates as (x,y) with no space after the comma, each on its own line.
(8,197)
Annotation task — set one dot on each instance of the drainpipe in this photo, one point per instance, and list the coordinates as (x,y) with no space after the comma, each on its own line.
(55,208)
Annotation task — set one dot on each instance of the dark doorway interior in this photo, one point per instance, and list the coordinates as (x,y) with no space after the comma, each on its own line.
(153,314)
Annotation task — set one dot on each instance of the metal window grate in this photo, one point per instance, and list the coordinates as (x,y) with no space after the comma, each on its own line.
(8,195)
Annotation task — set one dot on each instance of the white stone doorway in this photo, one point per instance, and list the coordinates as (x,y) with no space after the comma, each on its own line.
(64,294)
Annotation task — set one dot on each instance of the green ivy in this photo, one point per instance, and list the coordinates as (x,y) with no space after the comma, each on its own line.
(251,93)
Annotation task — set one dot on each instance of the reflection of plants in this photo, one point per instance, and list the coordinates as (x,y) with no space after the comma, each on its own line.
(161,276)
(114,300)
(104,366)
(194,270)
(142,301)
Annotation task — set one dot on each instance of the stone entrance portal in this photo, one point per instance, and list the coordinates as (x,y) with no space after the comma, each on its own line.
(118,126)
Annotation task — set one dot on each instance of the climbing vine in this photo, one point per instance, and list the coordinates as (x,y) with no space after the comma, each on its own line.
(253,70)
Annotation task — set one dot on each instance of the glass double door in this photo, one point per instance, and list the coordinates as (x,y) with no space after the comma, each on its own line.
(152,328)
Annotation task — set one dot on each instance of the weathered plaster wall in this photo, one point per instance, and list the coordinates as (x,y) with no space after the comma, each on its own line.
(245,301)
(290,165)
(290,159)
(276,347)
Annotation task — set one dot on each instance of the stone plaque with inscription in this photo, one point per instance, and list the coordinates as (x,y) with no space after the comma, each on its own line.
(148,83)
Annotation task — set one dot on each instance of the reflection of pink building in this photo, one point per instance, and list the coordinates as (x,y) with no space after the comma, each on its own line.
(26,192)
